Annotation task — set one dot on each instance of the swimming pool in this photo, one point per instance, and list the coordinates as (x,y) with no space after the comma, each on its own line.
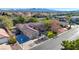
(21,38)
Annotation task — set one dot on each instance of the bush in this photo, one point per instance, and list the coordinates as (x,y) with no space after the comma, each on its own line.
(50,34)
(12,40)
(70,45)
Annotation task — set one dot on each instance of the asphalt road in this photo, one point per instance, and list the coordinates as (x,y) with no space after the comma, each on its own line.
(55,44)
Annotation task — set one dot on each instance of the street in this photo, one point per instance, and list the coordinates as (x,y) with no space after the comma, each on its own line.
(55,44)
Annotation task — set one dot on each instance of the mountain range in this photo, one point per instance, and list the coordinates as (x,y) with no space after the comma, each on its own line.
(33,10)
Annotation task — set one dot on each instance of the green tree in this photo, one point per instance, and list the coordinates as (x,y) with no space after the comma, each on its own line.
(70,45)
(33,19)
(8,24)
(47,24)
(19,19)
(47,18)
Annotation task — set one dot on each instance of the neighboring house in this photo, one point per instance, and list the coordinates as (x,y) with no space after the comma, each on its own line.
(3,36)
(28,31)
(63,20)
(40,15)
(75,19)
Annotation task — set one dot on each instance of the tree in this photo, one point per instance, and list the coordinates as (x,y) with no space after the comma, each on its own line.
(33,19)
(55,25)
(47,18)
(50,34)
(8,24)
(19,19)
(47,24)
(70,45)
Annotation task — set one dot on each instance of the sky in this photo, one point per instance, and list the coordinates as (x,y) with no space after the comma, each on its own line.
(66,9)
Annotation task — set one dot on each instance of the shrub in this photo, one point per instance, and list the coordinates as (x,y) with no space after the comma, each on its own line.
(12,40)
(70,45)
(50,34)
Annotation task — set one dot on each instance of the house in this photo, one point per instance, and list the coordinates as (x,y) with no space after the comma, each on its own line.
(63,20)
(75,19)
(3,36)
(28,31)
(40,15)
(38,26)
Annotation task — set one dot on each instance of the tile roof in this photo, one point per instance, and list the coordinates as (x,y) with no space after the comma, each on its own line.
(3,33)
(28,31)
